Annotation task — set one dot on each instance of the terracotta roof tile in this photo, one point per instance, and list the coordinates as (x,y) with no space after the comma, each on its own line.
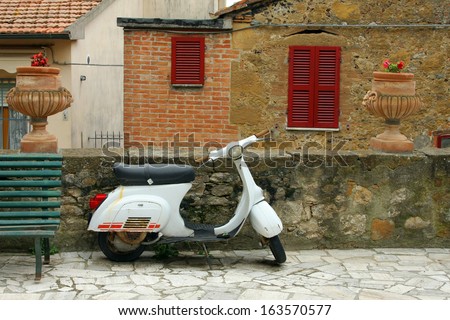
(41,16)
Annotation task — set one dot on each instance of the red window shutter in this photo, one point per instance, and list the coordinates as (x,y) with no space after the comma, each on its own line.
(313,100)
(188,60)
(327,87)
(301,87)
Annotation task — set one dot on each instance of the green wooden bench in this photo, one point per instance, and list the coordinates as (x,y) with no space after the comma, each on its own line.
(29,200)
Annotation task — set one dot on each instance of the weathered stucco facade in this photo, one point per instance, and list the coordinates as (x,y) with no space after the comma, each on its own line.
(367,32)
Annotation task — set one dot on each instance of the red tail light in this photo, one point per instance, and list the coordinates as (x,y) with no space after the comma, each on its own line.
(97,200)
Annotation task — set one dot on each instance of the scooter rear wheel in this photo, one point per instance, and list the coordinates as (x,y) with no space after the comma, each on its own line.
(117,250)
(277,249)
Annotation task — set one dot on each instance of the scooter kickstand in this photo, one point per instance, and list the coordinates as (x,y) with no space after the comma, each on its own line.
(208,260)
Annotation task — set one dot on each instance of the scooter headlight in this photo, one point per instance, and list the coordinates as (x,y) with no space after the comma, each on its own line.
(236,152)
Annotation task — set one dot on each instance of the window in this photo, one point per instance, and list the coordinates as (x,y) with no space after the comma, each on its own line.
(188,65)
(13,124)
(313,101)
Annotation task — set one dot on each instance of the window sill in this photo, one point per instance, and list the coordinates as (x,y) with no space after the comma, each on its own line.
(312,129)
(186,85)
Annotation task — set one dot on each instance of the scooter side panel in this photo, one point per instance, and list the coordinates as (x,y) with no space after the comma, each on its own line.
(142,209)
(265,220)
(133,213)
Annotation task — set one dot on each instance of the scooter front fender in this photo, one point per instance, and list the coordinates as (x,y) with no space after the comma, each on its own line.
(265,220)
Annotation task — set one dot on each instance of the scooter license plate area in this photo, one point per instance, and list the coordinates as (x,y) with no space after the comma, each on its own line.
(136,216)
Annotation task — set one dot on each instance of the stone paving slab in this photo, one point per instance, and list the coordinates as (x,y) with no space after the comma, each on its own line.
(398,274)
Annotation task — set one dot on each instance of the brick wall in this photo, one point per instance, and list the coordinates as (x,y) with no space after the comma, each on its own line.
(155,112)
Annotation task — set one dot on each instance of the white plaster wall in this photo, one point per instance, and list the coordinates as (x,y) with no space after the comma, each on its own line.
(60,124)
(98,101)
(181,9)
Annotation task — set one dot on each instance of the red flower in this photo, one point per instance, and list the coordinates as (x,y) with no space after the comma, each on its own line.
(393,67)
(39,60)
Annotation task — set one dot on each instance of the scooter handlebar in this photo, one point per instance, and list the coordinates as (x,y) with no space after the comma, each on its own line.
(257,135)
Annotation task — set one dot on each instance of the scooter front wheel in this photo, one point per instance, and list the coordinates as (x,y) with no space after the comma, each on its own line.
(115,249)
(277,249)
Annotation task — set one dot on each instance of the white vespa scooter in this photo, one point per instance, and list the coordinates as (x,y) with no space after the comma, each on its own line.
(144,209)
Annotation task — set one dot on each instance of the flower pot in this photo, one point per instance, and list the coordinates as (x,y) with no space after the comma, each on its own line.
(38,78)
(394,84)
(393,98)
(38,94)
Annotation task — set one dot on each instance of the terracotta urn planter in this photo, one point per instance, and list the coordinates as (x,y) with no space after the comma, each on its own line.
(393,97)
(38,94)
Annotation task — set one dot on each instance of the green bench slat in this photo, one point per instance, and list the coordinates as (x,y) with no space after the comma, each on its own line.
(27,233)
(30,183)
(30,173)
(30,156)
(32,228)
(37,225)
(30,204)
(31,194)
(30,164)
(30,214)
(27,222)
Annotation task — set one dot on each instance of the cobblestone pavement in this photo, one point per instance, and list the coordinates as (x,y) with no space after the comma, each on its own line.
(307,274)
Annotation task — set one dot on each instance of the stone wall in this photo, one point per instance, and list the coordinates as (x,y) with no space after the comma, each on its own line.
(324,200)
(263,34)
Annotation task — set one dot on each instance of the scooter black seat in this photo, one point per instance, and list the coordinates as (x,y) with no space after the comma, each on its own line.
(152,174)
